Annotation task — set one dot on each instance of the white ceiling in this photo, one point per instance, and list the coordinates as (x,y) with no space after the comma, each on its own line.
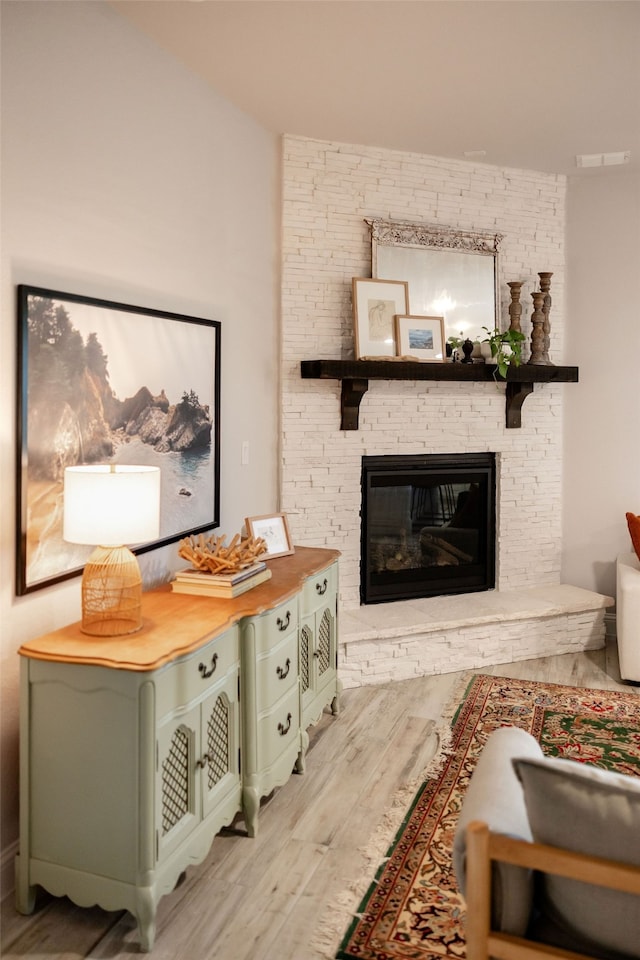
(531,82)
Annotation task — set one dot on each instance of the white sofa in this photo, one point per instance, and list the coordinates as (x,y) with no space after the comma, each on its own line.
(628,615)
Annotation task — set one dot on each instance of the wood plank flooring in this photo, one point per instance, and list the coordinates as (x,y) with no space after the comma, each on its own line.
(271,898)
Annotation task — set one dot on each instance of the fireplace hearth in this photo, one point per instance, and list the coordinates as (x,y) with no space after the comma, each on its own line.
(427,525)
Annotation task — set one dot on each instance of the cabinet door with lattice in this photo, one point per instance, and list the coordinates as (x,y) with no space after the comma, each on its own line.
(199,767)
(325,647)
(178,800)
(219,760)
(317,657)
(317,663)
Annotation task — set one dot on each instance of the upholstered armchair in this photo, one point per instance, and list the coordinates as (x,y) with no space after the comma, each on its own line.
(547,854)
(628,615)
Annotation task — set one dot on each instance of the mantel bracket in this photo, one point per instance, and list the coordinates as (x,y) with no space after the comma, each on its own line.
(354,376)
(516,394)
(353,391)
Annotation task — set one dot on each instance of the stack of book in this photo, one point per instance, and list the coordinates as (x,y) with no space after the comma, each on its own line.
(220,584)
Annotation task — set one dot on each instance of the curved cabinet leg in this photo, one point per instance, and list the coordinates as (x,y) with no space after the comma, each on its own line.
(25,893)
(251,806)
(146,917)
(301,762)
(335,703)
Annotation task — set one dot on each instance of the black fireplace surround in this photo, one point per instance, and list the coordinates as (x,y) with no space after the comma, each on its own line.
(427,525)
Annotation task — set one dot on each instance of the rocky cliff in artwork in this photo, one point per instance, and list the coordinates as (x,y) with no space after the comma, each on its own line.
(189,427)
(73,415)
(64,433)
(181,427)
(65,430)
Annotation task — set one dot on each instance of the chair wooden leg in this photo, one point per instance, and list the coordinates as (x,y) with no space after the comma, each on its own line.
(478,895)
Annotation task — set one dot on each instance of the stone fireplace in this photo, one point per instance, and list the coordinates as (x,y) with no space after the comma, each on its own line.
(328,191)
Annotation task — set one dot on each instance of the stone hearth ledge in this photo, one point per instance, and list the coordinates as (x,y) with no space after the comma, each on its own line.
(391,641)
(405,617)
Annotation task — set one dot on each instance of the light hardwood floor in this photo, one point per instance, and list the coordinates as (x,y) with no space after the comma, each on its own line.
(270,897)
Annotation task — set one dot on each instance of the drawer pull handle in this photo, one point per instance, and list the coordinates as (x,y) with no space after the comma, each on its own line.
(283,624)
(206,672)
(321,588)
(284,730)
(207,758)
(284,671)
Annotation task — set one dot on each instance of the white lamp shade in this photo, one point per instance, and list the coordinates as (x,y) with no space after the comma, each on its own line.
(111,504)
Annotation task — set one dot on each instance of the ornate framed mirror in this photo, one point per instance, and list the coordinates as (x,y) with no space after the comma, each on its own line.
(451,273)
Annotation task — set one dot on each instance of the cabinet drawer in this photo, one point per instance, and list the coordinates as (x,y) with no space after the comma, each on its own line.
(277,672)
(193,676)
(279,728)
(319,589)
(272,627)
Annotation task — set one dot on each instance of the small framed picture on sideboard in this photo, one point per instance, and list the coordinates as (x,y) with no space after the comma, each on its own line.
(274,530)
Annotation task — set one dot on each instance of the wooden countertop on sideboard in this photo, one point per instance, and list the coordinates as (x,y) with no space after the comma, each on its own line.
(174,624)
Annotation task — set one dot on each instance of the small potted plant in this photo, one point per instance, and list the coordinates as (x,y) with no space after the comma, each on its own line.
(506,348)
(454,345)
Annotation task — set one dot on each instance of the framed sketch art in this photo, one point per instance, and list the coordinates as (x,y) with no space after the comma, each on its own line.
(420,337)
(274,530)
(106,382)
(375,303)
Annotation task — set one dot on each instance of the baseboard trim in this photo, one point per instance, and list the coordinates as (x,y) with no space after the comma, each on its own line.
(610,630)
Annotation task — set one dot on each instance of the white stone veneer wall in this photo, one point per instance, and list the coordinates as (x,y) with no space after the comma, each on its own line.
(328,190)
(454,648)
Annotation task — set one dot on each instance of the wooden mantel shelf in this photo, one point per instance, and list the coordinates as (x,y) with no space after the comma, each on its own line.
(355,376)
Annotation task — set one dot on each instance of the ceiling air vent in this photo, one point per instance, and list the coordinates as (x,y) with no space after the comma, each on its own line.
(603,159)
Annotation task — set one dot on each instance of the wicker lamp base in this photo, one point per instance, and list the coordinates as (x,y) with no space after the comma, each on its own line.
(111,593)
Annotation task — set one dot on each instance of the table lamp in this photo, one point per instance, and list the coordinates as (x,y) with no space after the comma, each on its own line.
(109,505)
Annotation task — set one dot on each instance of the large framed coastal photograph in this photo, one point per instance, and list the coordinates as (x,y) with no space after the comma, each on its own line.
(106,382)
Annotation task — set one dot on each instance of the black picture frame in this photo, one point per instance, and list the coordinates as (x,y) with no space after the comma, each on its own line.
(100,382)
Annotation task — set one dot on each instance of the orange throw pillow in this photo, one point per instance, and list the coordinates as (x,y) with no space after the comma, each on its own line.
(634,529)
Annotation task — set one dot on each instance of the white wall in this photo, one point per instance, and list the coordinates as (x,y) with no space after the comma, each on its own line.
(124,177)
(602,414)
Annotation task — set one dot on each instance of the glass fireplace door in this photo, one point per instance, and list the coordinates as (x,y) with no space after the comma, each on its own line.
(428,526)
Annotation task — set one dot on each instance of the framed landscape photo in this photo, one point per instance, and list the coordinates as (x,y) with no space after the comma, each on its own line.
(420,337)
(274,530)
(375,303)
(106,382)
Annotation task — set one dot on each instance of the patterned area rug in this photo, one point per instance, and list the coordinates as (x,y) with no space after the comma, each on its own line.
(413,910)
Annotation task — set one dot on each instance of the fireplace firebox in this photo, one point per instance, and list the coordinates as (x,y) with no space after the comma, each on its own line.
(427,525)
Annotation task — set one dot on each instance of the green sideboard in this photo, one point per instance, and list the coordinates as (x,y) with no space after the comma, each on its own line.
(135,751)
